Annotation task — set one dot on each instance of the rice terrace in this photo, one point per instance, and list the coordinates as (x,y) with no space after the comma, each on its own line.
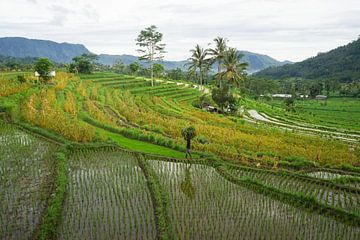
(227,144)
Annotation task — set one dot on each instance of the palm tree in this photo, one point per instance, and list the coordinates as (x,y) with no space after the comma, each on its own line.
(233,68)
(198,62)
(218,53)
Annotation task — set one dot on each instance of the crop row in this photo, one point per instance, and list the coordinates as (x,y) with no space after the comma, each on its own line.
(26,170)
(203,205)
(327,193)
(107,198)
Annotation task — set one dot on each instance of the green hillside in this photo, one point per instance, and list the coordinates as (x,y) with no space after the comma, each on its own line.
(342,63)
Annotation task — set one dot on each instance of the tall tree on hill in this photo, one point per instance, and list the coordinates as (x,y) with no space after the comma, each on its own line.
(151,48)
(199,62)
(218,53)
(233,69)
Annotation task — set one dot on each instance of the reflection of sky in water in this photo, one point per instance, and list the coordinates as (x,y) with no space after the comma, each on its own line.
(328,175)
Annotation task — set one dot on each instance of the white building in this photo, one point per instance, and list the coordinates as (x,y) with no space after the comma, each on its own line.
(281,95)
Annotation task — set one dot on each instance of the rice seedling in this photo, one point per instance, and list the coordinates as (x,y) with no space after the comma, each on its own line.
(107,198)
(203,205)
(26,169)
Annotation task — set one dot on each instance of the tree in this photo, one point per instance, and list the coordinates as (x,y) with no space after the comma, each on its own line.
(316,89)
(175,74)
(218,53)
(118,66)
(134,67)
(151,48)
(83,63)
(188,133)
(43,67)
(290,104)
(223,98)
(158,69)
(233,68)
(199,63)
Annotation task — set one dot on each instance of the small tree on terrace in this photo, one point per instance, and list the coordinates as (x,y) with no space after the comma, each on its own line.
(151,48)
(188,133)
(43,67)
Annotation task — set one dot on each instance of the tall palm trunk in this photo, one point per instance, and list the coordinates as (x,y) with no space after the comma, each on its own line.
(219,70)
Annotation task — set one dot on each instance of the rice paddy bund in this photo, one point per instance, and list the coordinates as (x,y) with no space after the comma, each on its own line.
(112,167)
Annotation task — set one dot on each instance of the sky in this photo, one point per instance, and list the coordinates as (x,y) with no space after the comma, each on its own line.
(283,29)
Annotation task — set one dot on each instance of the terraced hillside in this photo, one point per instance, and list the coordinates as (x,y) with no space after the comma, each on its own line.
(110,165)
(138,86)
(159,113)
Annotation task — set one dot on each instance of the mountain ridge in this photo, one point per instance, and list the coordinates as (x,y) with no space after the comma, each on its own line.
(22,47)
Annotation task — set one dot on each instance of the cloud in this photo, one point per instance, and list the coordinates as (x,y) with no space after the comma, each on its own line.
(284,29)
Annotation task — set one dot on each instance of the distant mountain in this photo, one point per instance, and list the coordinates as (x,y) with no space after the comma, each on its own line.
(108,59)
(256,61)
(64,52)
(342,63)
(22,47)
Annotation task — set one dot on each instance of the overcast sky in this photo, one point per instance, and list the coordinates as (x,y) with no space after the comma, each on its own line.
(283,29)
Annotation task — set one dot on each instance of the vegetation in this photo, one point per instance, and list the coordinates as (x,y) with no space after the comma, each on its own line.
(12,63)
(26,175)
(150,39)
(199,63)
(339,64)
(335,112)
(120,171)
(43,67)
(83,63)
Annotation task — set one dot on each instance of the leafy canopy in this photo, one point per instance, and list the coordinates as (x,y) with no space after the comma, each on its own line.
(44,66)
(188,133)
(199,62)
(151,48)
(83,63)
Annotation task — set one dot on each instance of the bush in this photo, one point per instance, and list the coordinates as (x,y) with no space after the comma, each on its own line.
(21,78)
(201,139)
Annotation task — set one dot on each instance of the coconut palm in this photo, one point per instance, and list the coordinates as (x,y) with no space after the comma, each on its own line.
(218,53)
(198,62)
(233,68)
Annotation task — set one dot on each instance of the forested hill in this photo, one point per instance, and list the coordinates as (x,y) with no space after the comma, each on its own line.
(108,59)
(342,63)
(256,61)
(22,47)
